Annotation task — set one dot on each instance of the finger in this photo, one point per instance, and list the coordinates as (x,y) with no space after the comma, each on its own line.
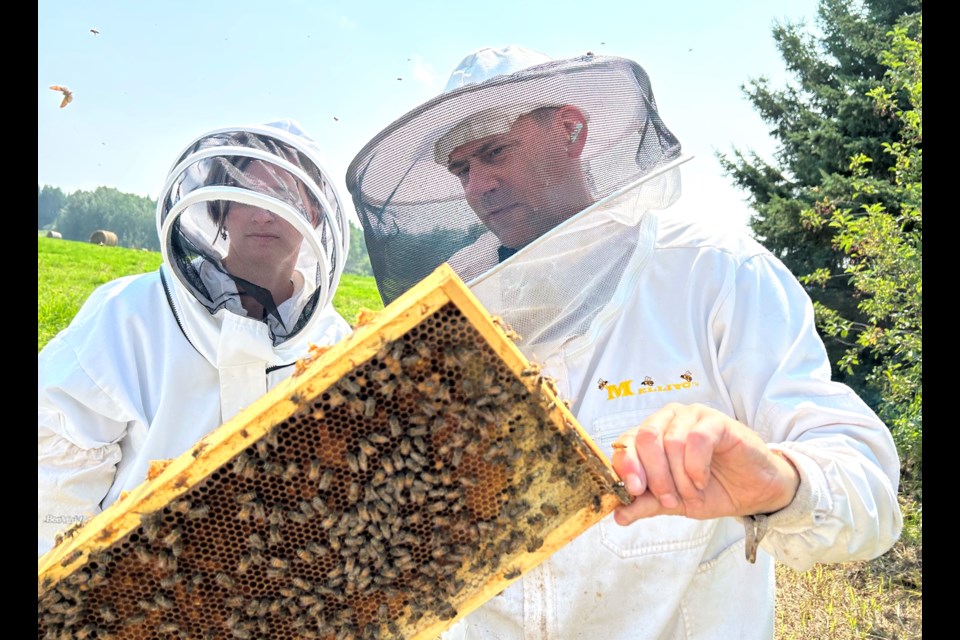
(676,449)
(643,506)
(627,465)
(702,442)
(653,457)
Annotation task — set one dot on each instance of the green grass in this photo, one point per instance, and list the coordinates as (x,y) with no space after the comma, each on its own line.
(68,272)
(882,598)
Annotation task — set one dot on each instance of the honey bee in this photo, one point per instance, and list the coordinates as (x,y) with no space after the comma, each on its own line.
(225,581)
(107,613)
(686,375)
(597,503)
(601,383)
(532,370)
(243,565)
(647,381)
(512,573)
(67,94)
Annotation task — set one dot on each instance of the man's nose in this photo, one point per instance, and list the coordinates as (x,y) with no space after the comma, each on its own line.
(480,181)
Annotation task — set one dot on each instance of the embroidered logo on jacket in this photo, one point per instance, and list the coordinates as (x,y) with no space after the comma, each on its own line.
(647,385)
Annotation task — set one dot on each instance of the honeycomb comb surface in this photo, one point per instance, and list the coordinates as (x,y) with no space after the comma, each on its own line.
(392,486)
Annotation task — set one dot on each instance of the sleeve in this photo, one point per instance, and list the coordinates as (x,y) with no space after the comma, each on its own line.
(78,434)
(778,373)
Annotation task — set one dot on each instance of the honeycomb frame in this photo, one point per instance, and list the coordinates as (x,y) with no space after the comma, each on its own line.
(389,487)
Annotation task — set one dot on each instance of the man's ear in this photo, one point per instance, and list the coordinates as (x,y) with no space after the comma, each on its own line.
(574,125)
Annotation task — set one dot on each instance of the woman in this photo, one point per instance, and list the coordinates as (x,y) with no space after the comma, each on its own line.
(254,239)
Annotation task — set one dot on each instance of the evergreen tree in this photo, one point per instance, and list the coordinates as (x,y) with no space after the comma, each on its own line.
(821,121)
(884,249)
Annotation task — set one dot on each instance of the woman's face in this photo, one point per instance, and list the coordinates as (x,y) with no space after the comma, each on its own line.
(257,236)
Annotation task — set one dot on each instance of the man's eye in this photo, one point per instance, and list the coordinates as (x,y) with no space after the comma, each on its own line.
(460,172)
(496,151)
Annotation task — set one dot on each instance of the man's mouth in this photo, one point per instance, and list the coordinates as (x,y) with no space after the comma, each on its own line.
(497,212)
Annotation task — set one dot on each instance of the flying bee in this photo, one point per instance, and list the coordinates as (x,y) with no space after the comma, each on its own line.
(67,94)
(601,383)
(647,381)
(686,375)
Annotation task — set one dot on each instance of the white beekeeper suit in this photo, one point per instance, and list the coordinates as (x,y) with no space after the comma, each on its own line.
(153,362)
(629,308)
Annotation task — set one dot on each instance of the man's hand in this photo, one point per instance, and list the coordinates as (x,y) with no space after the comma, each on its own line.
(695,461)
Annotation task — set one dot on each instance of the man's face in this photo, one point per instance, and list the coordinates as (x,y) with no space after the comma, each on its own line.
(517,182)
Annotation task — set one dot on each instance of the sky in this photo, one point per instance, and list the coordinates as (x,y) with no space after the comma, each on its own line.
(149,76)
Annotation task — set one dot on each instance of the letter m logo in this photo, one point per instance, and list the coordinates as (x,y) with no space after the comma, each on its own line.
(622,389)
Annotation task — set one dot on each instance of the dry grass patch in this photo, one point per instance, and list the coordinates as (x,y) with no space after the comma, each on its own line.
(880,599)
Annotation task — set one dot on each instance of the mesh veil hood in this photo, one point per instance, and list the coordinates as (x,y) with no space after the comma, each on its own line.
(561,285)
(413,210)
(276,168)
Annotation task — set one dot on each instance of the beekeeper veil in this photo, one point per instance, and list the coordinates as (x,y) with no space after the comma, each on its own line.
(573,151)
(273,168)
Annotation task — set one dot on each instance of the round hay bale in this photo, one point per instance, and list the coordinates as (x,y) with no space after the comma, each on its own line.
(54,234)
(105,238)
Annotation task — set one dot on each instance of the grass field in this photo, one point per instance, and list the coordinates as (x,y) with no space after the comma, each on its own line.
(68,272)
(859,600)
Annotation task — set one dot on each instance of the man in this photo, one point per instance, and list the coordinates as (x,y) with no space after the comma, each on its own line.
(688,353)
